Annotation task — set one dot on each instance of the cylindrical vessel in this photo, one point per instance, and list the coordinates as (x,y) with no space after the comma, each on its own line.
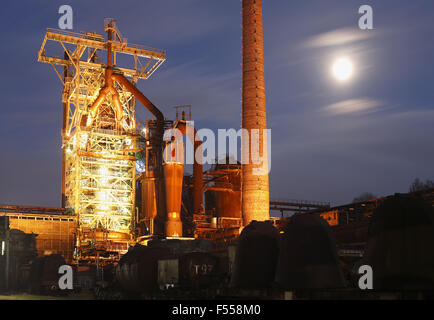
(224,197)
(255,189)
(191,133)
(152,215)
(149,199)
(173,174)
(228,204)
(256,256)
(308,258)
(400,246)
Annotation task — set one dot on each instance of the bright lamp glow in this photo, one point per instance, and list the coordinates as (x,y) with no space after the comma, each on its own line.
(342,69)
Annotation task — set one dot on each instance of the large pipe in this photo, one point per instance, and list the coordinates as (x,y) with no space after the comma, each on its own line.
(173,176)
(118,105)
(197,168)
(155,182)
(139,96)
(98,101)
(110,77)
(108,87)
(255,188)
(64,124)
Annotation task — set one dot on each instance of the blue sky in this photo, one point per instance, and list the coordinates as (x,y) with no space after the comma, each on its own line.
(331,141)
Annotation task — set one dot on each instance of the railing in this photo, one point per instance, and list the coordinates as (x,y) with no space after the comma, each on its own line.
(105,131)
(95,38)
(141,47)
(304,203)
(67,33)
(33,210)
(233,222)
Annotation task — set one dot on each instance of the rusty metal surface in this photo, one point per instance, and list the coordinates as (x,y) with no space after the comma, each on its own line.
(173,174)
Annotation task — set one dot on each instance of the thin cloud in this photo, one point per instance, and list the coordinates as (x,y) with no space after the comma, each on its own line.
(353,106)
(337,37)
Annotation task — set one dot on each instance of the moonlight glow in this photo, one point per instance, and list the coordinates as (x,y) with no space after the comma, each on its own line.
(342,69)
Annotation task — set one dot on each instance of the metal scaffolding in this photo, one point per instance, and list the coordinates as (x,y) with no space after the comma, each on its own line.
(99,131)
(99,180)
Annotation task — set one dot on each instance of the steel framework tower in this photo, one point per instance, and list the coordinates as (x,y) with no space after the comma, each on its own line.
(255,190)
(99,132)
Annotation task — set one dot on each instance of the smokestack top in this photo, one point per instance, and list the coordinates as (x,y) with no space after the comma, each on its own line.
(255,188)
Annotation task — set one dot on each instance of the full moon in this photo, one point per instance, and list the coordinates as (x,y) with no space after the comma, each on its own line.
(342,69)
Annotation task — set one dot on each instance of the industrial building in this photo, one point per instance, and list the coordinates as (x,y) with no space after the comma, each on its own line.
(130,213)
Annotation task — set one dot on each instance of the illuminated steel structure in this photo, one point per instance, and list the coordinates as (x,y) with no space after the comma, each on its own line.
(99,132)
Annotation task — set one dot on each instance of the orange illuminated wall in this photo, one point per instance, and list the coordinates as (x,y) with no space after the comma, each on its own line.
(331,217)
(55,235)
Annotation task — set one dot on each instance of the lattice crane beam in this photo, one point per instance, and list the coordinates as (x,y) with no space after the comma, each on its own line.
(144,62)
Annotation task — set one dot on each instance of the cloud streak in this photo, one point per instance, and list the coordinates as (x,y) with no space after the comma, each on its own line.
(337,37)
(353,106)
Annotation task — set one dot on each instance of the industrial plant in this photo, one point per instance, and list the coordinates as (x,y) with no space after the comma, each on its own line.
(134,224)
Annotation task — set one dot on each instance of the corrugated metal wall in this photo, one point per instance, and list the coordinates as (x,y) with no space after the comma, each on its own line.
(54,234)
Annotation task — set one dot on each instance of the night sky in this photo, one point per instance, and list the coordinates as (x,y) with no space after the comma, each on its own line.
(331,141)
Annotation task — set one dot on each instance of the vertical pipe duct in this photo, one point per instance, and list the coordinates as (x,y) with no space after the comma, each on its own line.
(64,124)
(197,166)
(255,190)
(173,175)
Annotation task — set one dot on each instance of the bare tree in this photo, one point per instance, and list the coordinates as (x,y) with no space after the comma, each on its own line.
(419,185)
